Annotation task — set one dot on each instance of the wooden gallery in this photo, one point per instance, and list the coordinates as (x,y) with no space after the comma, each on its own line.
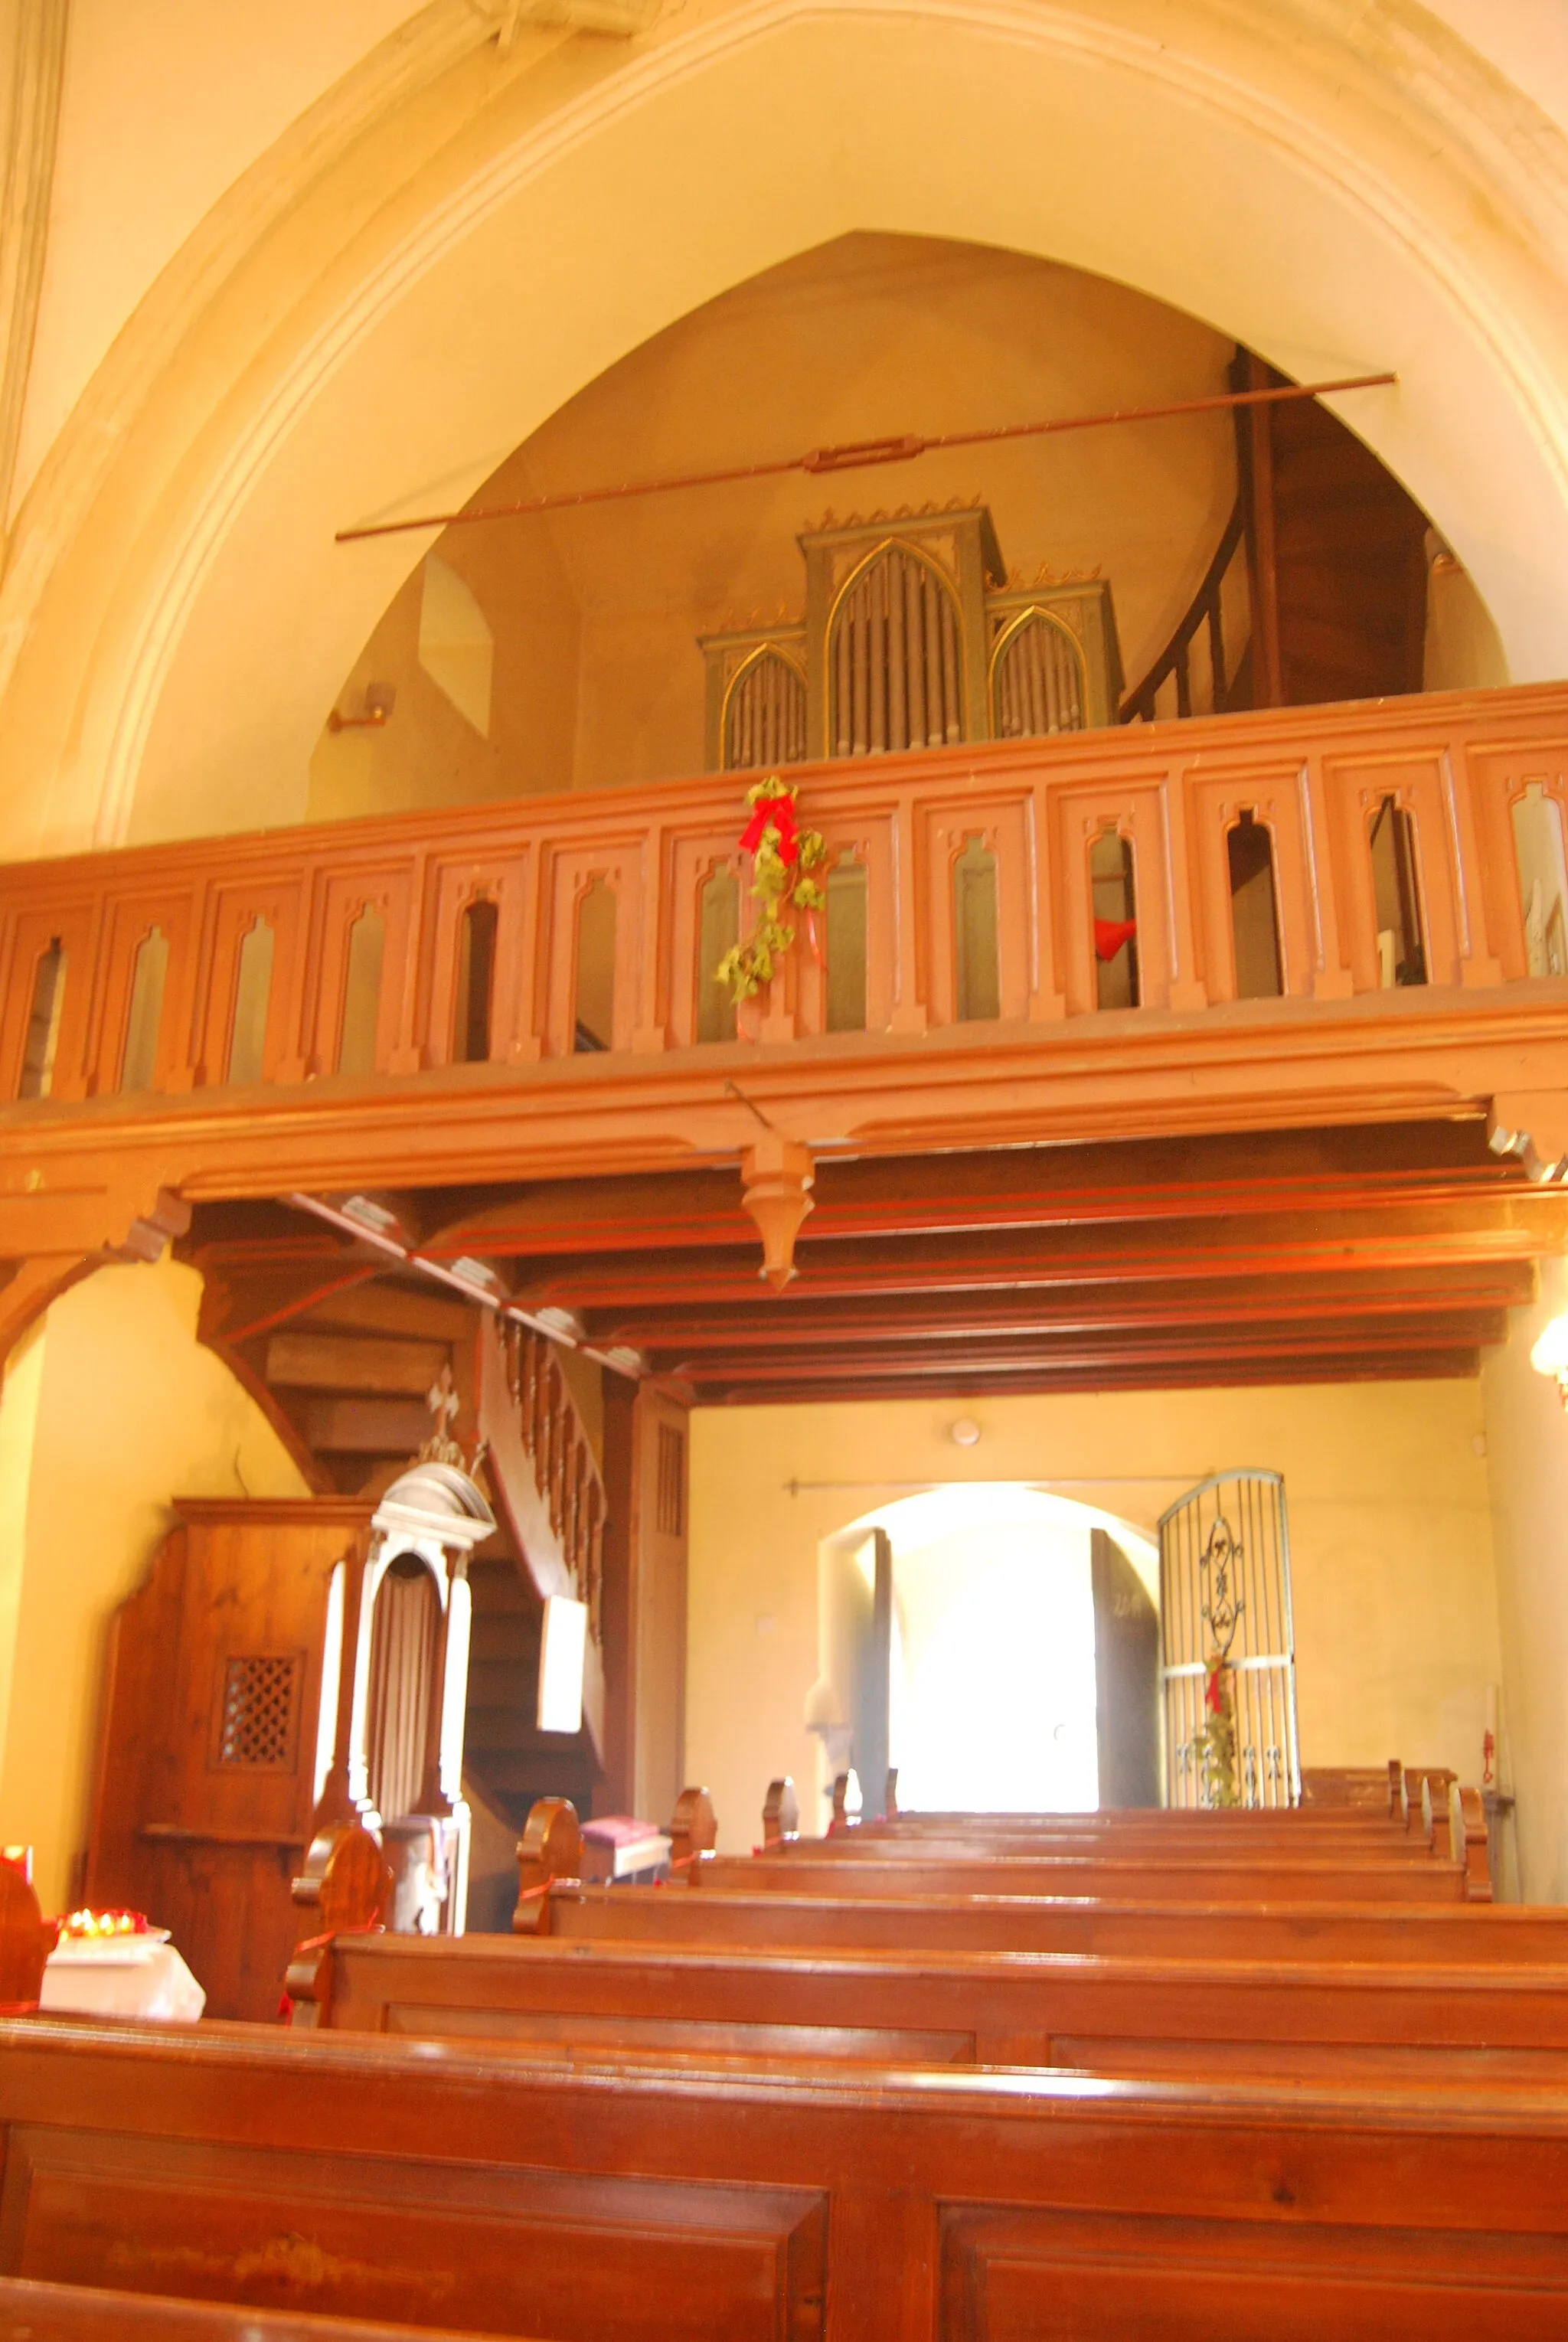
(783,1171)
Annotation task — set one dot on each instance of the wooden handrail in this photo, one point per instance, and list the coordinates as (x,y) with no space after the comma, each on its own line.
(1205,608)
(565,1468)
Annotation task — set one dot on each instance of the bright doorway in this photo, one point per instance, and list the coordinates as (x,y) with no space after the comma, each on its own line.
(993,1693)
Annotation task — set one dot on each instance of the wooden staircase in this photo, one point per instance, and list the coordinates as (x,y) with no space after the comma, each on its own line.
(1337,553)
(1335,559)
(342,1356)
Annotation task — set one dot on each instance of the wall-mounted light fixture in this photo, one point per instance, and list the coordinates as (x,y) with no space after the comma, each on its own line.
(379,698)
(1550,1354)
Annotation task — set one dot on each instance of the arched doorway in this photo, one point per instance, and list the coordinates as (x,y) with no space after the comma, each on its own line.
(1004,1690)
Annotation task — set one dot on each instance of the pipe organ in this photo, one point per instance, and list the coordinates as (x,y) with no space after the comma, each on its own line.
(911,638)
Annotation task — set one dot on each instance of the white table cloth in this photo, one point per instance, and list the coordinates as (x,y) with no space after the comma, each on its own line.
(122,1976)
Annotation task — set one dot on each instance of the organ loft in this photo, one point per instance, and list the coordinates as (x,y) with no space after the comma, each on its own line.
(783,1103)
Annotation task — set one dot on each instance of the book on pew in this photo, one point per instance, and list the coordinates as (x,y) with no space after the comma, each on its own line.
(618,1845)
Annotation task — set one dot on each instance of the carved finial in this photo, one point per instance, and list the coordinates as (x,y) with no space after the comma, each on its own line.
(776,1174)
(443,1403)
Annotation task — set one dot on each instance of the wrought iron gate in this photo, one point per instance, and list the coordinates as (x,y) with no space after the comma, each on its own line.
(1227,1651)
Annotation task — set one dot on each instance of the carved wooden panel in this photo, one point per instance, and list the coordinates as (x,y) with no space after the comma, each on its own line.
(1044,2276)
(207,1770)
(582,2258)
(257,1713)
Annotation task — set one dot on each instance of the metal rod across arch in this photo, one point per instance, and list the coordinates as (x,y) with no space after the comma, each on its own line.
(858,455)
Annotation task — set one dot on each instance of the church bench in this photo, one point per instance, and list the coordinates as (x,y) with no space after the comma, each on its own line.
(1355,2064)
(452,2187)
(1308,1824)
(1302,1825)
(35,2312)
(1266,1845)
(1414,1933)
(26,1938)
(905,2007)
(1202,1879)
(1411,1830)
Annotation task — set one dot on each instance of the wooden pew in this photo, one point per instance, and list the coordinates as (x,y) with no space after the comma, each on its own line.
(509,2195)
(901,2007)
(1374,1786)
(1454,1827)
(33,2312)
(1201,1878)
(905,2007)
(1407,1934)
(553,1903)
(1214,1855)
(346,1882)
(1279,1841)
(26,1941)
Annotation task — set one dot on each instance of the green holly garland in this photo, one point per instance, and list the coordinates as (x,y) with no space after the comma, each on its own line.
(782,856)
(1215,1744)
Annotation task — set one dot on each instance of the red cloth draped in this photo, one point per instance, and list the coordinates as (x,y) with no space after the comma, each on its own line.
(1110,935)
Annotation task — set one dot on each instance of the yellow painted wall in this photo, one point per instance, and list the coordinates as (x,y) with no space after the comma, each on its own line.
(23,1377)
(596,612)
(1527,1444)
(429,754)
(164,103)
(127,1410)
(1386,1483)
(1463,651)
(448,246)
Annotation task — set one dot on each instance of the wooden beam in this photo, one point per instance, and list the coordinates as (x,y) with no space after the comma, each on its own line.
(1351,1365)
(1168,1346)
(1024,1186)
(691,1330)
(1517,1227)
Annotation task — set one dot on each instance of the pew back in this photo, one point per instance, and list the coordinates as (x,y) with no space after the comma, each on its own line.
(508,2196)
(33,2312)
(1410,1933)
(903,2007)
(800,1870)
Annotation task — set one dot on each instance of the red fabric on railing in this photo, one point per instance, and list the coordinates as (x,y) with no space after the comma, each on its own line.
(1110,935)
(318,1944)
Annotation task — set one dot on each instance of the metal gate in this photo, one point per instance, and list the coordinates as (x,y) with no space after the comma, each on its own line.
(1227,1671)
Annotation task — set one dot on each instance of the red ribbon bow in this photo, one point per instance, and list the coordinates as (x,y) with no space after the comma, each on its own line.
(1213,1699)
(780,811)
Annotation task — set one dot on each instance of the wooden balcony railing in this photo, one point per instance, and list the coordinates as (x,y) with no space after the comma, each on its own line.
(965,886)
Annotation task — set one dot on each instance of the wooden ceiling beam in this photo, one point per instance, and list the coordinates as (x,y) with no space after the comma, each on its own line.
(1026,1187)
(916,1362)
(1351,1365)
(804,1318)
(1518,1226)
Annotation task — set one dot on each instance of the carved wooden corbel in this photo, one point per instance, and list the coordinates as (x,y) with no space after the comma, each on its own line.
(1531,1124)
(776,1175)
(52,1236)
